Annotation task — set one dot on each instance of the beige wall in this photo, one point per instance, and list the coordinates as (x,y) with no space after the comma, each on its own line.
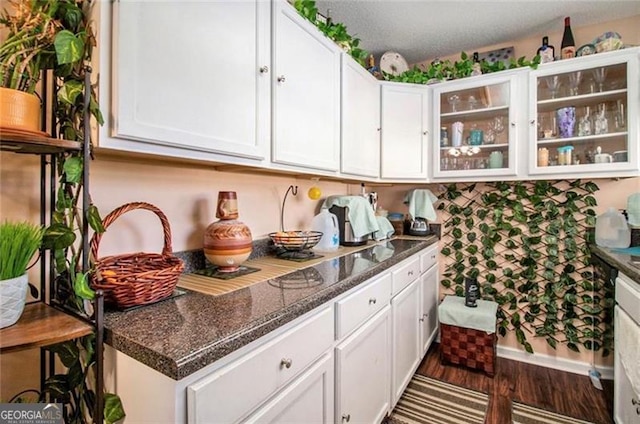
(628,28)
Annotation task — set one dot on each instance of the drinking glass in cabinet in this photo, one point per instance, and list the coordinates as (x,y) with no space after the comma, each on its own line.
(620,117)
(584,123)
(599,76)
(454,100)
(575,78)
(601,124)
(553,84)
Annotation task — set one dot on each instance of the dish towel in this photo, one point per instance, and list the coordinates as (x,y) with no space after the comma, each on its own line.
(627,347)
(386,229)
(363,220)
(420,203)
(482,318)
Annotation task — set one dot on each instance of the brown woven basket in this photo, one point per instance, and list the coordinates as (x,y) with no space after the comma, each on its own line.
(135,279)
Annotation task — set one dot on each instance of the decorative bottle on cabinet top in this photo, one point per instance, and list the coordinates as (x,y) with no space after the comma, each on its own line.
(568,46)
(227,242)
(546,52)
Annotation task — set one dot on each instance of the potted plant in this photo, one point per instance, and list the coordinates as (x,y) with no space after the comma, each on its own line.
(36,40)
(19,241)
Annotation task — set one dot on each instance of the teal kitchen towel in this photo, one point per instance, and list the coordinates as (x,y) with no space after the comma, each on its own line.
(363,220)
(420,203)
(386,229)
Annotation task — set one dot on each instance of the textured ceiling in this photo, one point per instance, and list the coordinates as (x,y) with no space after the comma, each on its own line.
(423,29)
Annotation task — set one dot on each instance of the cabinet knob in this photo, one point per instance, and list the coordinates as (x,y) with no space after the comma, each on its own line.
(410,273)
(281,78)
(372,301)
(424,316)
(532,122)
(634,402)
(425,132)
(378,129)
(513,125)
(286,363)
(346,417)
(264,69)
(433,257)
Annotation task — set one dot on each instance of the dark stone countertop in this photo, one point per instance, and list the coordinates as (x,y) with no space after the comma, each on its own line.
(620,261)
(179,336)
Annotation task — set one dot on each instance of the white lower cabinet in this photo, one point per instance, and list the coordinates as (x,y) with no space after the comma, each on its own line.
(224,396)
(362,372)
(348,361)
(428,308)
(405,345)
(308,399)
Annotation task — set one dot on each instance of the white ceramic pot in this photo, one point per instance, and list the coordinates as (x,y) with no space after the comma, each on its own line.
(13,295)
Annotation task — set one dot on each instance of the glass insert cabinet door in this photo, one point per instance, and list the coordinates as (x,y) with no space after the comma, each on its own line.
(584,115)
(475,127)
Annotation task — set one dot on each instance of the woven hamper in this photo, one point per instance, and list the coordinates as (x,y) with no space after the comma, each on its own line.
(467,334)
(467,347)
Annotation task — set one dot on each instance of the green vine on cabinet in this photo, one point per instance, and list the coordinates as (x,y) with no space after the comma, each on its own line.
(527,243)
(446,70)
(333,30)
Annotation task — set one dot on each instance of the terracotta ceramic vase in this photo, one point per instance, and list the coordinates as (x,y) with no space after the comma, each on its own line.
(227,242)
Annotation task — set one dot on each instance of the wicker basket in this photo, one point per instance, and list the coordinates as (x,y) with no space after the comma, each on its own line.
(135,279)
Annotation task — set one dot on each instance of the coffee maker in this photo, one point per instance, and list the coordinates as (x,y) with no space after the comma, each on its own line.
(416,227)
(346,232)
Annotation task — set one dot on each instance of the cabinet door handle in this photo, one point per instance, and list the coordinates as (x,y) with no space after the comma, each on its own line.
(264,69)
(433,257)
(286,363)
(378,129)
(281,78)
(423,317)
(346,417)
(634,402)
(532,122)
(410,273)
(372,301)
(513,124)
(425,132)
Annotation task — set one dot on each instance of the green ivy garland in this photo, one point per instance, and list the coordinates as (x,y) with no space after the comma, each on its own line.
(527,243)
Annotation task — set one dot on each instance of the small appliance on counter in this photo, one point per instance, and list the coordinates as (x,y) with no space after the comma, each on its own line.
(347,238)
(421,211)
(356,219)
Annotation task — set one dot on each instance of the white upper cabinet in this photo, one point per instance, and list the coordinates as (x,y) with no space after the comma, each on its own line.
(194,75)
(583,116)
(360,120)
(405,129)
(476,126)
(306,93)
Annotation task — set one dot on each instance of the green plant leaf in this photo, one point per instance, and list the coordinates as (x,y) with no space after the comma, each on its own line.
(58,236)
(69,93)
(69,47)
(81,287)
(73,169)
(113,410)
(95,221)
(67,352)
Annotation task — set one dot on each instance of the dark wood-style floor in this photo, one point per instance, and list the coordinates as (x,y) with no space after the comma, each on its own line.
(562,392)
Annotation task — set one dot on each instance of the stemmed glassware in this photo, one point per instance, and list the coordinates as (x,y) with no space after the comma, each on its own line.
(553,84)
(574,82)
(454,100)
(599,76)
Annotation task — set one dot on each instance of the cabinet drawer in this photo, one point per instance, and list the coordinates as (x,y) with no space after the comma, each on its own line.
(405,274)
(234,391)
(628,296)
(354,309)
(429,258)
